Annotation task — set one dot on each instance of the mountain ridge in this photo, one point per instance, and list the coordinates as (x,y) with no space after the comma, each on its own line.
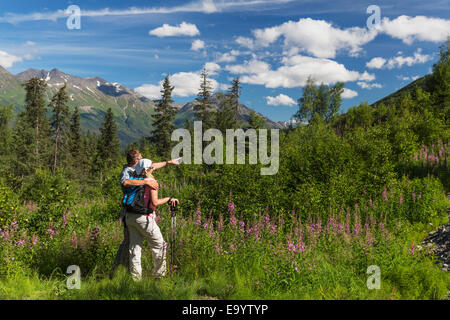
(94,95)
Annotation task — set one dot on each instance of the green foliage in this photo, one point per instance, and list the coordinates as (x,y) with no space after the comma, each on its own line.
(323,101)
(108,146)
(163,120)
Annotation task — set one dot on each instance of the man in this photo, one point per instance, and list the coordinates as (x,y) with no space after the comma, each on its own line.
(133,157)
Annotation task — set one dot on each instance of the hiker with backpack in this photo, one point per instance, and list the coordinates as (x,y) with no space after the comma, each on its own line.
(140,220)
(133,156)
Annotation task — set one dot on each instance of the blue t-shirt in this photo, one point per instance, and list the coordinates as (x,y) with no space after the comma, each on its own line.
(125,175)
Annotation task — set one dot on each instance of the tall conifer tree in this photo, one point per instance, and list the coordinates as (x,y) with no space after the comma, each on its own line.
(163,120)
(60,125)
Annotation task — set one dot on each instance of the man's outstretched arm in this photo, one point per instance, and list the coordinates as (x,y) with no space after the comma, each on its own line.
(159,165)
(133,182)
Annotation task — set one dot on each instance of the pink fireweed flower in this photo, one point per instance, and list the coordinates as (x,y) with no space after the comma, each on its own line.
(233,221)
(220,224)
(411,250)
(198,217)
(231,206)
(291,246)
(34,239)
(205,226)
(218,248)
(356,229)
(384,194)
(413,196)
(20,243)
(400,200)
(51,231)
(273,229)
(241,225)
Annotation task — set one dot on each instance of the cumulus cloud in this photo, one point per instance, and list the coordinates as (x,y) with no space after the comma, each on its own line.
(348,94)
(186,84)
(280,100)
(183,29)
(150,91)
(376,63)
(295,71)
(317,37)
(7,60)
(365,85)
(246,42)
(398,61)
(226,57)
(410,29)
(212,68)
(198,45)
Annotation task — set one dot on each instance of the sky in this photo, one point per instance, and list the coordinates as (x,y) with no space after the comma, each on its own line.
(374,47)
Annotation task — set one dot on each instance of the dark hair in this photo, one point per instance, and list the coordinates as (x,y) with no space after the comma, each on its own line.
(132,156)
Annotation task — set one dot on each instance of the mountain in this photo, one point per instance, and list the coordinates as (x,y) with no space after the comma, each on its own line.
(399,94)
(243,112)
(94,96)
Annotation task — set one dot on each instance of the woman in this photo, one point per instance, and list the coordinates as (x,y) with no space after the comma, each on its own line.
(140,226)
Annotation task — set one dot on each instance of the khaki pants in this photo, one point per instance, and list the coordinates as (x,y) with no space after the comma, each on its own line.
(122,256)
(140,227)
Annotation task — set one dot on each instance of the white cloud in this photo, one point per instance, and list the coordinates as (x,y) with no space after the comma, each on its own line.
(184,29)
(422,28)
(317,37)
(369,86)
(246,42)
(150,91)
(281,100)
(212,68)
(254,66)
(399,61)
(376,63)
(348,94)
(224,86)
(407,78)
(186,84)
(226,57)
(7,60)
(295,71)
(197,45)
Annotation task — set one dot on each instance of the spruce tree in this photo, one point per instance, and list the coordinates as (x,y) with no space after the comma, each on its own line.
(203,107)
(224,117)
(234,93)
(6,115)
(108,145)
(76,142)
(32,130)
(163,120)
(60,125)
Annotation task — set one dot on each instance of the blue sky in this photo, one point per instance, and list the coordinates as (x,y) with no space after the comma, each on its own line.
(273,46)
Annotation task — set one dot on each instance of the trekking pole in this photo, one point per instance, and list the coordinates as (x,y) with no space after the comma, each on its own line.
(173,223)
